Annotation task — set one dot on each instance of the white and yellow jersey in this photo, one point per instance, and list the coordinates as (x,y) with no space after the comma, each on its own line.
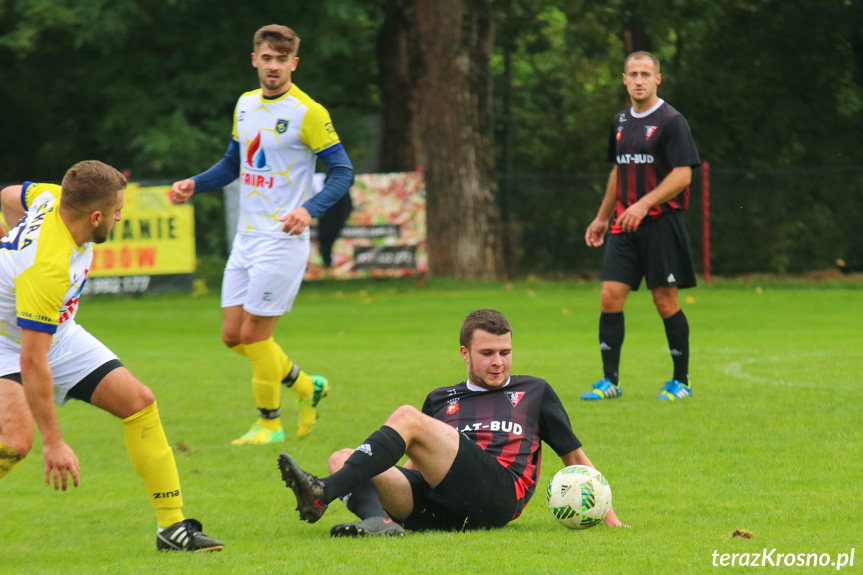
(278,140)
(42,269)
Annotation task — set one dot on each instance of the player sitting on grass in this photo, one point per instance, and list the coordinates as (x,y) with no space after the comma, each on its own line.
(45,354)
(474,450)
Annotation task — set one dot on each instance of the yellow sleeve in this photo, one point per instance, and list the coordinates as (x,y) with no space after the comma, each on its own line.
(317,130)
(40,290)
(32,190)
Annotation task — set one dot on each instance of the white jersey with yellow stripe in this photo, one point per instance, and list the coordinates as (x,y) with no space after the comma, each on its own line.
(279,139)
(42,269)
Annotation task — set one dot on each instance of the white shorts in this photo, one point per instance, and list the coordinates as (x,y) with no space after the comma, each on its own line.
(264,274)
(75,356)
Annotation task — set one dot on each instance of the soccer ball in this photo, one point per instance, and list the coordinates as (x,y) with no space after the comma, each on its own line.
(579,497)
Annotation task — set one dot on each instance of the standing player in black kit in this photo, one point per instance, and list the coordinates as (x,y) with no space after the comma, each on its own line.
(648,191)
(474,450)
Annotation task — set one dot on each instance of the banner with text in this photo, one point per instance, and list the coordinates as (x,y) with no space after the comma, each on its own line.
(151,249)
(385,235)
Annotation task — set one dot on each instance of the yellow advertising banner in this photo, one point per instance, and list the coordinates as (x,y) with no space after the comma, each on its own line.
(154,237)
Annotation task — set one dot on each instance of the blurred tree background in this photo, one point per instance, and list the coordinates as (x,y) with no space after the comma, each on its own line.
(773,91)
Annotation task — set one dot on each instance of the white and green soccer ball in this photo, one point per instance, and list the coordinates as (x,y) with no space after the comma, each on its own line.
(579,497)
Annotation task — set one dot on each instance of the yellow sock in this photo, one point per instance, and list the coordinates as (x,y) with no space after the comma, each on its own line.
(9,460)
(303,385)
(268,367)
(239,349)
(153,460)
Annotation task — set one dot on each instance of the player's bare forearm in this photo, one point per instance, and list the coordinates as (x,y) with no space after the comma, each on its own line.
(13,209)
(595,234)
(60,460)
(606,209)
(674,183)
(39,383)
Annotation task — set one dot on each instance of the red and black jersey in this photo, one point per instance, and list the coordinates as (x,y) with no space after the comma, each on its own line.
(646,147)
(508,423)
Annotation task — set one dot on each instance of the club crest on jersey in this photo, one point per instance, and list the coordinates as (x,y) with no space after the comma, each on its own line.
(514,397)
(282,126)
(648,131)
(452,407)
(256,159)
(619,133)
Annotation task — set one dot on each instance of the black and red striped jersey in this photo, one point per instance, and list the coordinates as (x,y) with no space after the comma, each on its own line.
(646,147)
(509,423)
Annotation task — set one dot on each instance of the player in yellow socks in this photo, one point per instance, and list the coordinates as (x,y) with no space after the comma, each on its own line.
(279,133)
(47,358)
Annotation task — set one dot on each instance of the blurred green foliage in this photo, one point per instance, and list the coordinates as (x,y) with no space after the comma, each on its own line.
(150,86)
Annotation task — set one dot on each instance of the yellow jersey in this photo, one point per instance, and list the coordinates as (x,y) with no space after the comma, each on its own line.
(42,269)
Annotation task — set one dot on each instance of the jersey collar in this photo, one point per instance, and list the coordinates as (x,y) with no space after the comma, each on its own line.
(652,109)
(473,387)
(279,97)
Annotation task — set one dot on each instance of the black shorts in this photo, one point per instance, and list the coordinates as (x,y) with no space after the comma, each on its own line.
(477,493)
(658,251)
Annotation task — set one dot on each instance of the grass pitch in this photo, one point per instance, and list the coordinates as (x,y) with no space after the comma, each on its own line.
(770,442)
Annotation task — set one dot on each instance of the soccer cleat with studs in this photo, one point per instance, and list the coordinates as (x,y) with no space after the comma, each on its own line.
(674,390)
(309,405)
(369,526)
(186,535)
(603,389)
(308,489)
(260,435)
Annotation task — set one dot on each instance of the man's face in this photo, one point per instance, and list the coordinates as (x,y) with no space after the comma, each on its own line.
(641,80)
(274,68)
(109,217)
(488,359)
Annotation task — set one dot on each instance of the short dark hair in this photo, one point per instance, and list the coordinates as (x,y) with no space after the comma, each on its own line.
(488,320)
(642,54)
(90,185)
(280,38)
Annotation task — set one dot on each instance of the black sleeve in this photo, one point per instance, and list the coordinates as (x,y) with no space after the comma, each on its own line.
(679,146)
(554,426)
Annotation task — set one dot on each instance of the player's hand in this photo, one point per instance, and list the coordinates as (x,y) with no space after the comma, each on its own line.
(612,520)
(631,218)
(296,221)
(181,191)
(60,463)
(595,234)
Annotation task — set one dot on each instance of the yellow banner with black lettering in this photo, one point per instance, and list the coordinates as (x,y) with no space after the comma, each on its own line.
(154,237)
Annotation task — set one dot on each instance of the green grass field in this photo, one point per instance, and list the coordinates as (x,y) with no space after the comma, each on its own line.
(770,442)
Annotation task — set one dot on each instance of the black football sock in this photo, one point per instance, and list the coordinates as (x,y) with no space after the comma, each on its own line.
(677,332)
(380,451)
(363,501)
(611,330)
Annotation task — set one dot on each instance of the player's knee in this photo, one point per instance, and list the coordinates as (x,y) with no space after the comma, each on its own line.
(230,339)
(337,459)
(141,397)
(20,439)
(665,305)
(612,300)
(404,415)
